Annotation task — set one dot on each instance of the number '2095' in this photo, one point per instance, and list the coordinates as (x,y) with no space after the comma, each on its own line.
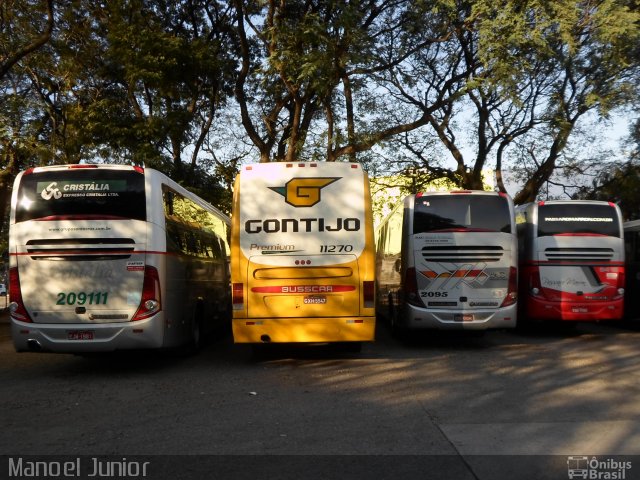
(82,298)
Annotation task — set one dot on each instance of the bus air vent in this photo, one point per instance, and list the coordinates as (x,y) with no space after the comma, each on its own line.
(579,254)
(458,253)
(81,249)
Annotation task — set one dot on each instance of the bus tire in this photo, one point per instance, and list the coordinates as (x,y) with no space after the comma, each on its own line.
(390,309)
(196,340)
(350,347)
(396,330)
(196,333)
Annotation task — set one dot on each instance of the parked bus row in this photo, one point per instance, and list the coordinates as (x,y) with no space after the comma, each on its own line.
(106,257)
(470,260)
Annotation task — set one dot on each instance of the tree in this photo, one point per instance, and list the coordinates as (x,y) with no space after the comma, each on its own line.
(305,67)
(521,76)
(170,68)
(122,81)
(23,30)
(25,27)
(620,185)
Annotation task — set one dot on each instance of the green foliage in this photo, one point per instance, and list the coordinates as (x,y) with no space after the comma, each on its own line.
(620,185)
(125,81)
(452,87)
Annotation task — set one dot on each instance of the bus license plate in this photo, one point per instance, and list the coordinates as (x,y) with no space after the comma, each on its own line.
(80,335)
(315,300)
(463,317)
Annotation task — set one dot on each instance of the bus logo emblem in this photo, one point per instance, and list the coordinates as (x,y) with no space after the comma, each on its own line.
(304,192)
(51,191)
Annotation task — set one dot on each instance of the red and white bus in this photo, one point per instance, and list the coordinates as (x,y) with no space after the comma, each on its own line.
(571,260)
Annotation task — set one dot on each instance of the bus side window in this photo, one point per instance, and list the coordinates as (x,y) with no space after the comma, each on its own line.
(174,242)
(168,202)
(191,244)
(215,248)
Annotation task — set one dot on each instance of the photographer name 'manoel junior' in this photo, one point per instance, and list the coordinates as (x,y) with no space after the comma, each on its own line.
(91,467)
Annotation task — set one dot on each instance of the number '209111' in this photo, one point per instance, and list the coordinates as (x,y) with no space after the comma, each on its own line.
(82,298)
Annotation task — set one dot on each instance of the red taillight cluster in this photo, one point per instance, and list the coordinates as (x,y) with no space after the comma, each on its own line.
(621,284)
(150,303)
(535,287)
(237,296)
(369,293)
(512,293)
(17,308)
(411,294)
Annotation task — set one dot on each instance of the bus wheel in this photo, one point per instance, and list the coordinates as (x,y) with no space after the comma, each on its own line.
(196,333)
(396,331)
(349,347)
(390,309)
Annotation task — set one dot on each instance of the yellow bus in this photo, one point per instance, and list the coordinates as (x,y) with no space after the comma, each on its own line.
(302,254)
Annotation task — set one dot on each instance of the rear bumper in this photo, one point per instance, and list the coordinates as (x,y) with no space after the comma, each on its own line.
(421,318)
(536,309)
(303,330)
(30,337)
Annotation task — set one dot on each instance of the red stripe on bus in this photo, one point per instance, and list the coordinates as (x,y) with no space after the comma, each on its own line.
(576,263)
(297,289)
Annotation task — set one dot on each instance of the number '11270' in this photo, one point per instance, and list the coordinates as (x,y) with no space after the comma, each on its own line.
(336,248)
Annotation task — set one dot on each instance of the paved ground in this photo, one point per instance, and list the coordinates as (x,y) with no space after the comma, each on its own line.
(507,405)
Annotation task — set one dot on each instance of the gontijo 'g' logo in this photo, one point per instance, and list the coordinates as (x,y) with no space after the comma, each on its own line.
(304,192)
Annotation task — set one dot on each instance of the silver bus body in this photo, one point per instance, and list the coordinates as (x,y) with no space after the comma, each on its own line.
(448,261)
(126,259)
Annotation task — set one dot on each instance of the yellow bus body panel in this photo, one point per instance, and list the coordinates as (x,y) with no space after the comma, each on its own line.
(304,330)
(314,303)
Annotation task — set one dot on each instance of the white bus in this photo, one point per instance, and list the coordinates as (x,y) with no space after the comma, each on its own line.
(107,257)
(571,260)
(449,261)
(303,260)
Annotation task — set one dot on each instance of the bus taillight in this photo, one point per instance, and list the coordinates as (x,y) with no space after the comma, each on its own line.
(411,293)
(512,293)
(16,307)
(369,293)
(150,303)
(535,287)
(620,285)
(237,296)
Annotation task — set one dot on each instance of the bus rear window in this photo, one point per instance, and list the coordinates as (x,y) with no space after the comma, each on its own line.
(568,219)
(479,213)
(82,193)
